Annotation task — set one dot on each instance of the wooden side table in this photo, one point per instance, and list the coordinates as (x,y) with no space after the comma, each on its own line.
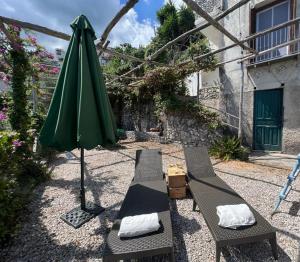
(176,181)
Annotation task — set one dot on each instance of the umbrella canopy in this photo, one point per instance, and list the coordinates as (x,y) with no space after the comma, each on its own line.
(80,114)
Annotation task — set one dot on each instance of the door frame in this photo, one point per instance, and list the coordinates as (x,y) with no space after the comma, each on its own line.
(282,117)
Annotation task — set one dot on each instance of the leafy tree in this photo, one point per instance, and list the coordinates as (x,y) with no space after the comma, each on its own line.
(168,19)
(165,12)
(172,24)
(118,66)
(186,19)
(163,85)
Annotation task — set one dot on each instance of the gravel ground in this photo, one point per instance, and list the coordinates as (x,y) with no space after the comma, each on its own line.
(44,237)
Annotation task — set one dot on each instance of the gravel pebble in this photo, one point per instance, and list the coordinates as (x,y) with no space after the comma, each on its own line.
(45,237)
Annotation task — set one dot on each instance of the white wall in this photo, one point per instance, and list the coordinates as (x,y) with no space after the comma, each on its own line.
(264,77)
(191,83)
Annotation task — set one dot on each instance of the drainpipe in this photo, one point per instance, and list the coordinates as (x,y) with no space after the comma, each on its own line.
(199,85)
(241,101)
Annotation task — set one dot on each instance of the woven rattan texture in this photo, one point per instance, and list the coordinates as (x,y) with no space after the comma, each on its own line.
(212,194)
(143,198)
(148,165)
(211,191)
(198,162)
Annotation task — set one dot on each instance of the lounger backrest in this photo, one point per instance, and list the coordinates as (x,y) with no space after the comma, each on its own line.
(148,165)
(198,162)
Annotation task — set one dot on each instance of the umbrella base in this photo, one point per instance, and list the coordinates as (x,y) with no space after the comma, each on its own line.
(77,216)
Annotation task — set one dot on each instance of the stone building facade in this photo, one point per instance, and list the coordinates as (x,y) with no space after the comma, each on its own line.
(270,83)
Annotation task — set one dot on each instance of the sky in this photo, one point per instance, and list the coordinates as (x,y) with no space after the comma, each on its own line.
(137,27)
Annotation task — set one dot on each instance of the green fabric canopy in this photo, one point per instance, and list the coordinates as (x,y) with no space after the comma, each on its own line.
(80,114)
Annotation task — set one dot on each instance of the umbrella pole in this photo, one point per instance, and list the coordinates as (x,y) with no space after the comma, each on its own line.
(82,191)
(87,210)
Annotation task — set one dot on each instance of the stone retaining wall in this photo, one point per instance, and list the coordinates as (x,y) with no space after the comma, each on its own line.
(178,128)
(143,136)
(189,131)
(141,120)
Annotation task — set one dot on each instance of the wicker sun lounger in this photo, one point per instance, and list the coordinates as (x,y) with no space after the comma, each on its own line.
(148,165)
(210,191)
(142,198)
(146,194)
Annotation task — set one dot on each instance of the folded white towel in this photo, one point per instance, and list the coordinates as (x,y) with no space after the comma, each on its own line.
(132,226)
(234,216)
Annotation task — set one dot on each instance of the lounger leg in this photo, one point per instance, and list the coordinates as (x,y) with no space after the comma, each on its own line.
(172,256)
(273,243)
(218,252)
(194,205)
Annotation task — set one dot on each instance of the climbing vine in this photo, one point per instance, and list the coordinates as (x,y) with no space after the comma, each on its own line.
(20,169)
(21,65)
(19,115)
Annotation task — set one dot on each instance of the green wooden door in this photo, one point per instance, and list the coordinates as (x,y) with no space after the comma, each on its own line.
(268,119)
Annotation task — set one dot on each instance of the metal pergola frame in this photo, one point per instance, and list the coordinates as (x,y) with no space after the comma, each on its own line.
(150,59)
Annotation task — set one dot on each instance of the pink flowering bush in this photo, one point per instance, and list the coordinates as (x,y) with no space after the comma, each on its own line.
(29,62)
(8,142)
(20,168)
(4,77)
(17,143)
(3,116)
(42,68)
(18,176)
(9,171)
(35,53)
(16,28)
(32,39)
(3,113)
(55,70)
(20,171)
(44,54)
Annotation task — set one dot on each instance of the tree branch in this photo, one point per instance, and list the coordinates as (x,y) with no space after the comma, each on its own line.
(115,20)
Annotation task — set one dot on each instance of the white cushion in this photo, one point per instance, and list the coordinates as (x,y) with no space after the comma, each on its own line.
(234,216)
(132,226)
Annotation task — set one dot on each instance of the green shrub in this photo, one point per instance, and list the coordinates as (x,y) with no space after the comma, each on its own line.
(121,134)
(19,173)
(9,207)
(37,121)
(46,153)
(33,172)
(8,157)
(9,172)
(228,148)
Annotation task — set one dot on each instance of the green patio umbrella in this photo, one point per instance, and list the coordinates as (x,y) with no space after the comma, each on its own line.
(80,114)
